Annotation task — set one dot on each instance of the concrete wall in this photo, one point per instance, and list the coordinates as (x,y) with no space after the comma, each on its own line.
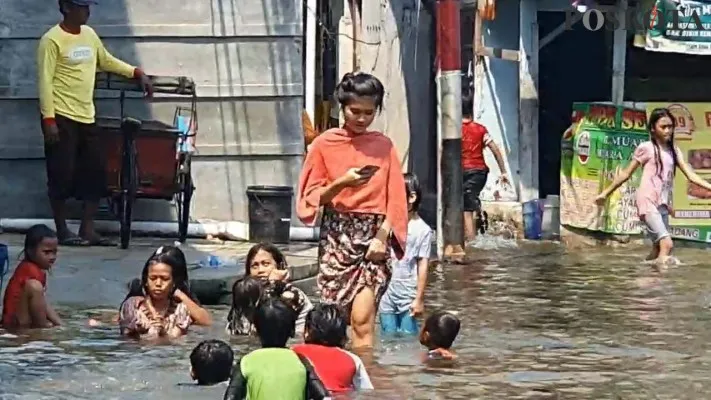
(498,100)
(245,58)
(397,47)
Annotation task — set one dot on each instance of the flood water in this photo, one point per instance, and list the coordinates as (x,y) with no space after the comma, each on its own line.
(538,322)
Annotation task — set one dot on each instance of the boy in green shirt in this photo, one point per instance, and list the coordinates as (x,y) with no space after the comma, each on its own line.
(274,372)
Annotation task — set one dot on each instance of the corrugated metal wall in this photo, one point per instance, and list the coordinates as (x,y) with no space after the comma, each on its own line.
(244,56)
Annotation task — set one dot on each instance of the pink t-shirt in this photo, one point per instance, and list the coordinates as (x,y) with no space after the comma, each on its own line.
(655,187)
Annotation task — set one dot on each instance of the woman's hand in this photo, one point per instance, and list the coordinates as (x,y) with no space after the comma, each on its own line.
(352,178)
(377,251)
(159,324)
(279,275)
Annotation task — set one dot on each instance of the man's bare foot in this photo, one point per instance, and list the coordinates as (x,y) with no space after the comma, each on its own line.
(68,238)
(94,239)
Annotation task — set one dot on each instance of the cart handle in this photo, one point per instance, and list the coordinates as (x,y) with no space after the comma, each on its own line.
(180,85)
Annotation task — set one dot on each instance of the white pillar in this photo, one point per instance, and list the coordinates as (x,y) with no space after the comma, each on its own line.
(619,56)
(310,64)
(528,101)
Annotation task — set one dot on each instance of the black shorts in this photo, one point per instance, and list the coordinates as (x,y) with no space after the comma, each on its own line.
(76,166)
(474,181)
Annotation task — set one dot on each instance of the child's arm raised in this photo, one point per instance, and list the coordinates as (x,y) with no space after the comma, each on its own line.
(618,181)
(689,172)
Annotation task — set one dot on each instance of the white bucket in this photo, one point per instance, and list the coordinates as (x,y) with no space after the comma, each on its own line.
(551,218)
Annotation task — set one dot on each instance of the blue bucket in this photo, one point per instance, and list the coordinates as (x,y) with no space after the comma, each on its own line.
(533,220)
(4,262)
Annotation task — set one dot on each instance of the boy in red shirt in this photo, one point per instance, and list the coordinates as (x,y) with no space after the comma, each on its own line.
(475,171)
(324,337)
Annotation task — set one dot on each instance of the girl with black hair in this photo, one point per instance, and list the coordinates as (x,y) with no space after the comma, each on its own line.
(266,268)
(25,303)
(355,175)
(659,158)
(162,308)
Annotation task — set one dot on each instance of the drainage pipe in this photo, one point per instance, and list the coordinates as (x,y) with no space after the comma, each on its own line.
(230,230)
(310,61)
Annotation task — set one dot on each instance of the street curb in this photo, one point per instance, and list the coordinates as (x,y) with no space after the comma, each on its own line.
(218,291)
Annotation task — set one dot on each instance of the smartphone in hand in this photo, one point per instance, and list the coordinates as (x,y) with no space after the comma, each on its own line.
(368,171)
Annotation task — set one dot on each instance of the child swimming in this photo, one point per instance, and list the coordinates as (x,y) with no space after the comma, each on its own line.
(438,335)
(246,294)
(404,298)
(162,308)
(274,372)
(324,337)
(659,158)
(25,303)
(211,362)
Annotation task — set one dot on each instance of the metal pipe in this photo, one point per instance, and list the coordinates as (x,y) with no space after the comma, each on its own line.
(231,230)
(449,82)
(310,62)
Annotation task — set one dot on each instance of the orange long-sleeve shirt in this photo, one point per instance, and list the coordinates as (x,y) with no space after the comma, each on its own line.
(331,155)
(67,64)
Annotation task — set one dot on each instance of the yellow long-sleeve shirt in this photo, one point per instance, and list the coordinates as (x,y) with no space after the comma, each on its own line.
(67,65)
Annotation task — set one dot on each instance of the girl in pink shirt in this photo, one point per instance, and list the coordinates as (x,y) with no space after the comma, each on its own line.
(659,159)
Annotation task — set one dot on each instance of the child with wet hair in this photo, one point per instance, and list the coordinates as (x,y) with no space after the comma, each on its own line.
(211,362)
(438,335)
(25,303)
(246,294)
(274,372)
(324,337)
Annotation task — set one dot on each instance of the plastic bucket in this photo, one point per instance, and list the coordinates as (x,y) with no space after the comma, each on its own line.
(551,217)
(532,219)
(269,213)
(4,263)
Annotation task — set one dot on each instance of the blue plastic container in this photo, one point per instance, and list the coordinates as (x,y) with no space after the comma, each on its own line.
(4,263)
(533,219)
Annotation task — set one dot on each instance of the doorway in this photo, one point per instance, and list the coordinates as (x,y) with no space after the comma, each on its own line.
(574,67)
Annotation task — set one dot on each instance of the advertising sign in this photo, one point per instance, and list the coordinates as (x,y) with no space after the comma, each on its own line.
(597,146)
(678,27)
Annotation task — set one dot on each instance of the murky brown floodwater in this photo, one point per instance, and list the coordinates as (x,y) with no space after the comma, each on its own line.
(538,323)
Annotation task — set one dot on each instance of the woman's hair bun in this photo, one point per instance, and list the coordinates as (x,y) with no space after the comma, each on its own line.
(360,84)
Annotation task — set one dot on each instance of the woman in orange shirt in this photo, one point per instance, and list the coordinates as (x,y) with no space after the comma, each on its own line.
(355,175)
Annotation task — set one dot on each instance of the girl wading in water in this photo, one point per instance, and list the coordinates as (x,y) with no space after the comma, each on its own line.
(659,158)
(355,175)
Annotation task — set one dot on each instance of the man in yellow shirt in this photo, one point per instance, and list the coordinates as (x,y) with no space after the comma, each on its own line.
(68,57)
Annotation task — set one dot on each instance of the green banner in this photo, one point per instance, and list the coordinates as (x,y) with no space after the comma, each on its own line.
(598,145)
(677,27)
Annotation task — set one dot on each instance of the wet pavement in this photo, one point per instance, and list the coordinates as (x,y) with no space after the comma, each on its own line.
(98,276)
(538,322)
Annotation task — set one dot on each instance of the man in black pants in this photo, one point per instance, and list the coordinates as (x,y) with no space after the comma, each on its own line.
(67,58)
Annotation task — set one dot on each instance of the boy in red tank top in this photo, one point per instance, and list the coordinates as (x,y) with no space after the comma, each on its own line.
(475,171)
(324,337)
(25,304)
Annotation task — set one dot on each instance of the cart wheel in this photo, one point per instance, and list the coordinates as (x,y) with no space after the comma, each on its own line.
(184,197)
(129,181)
